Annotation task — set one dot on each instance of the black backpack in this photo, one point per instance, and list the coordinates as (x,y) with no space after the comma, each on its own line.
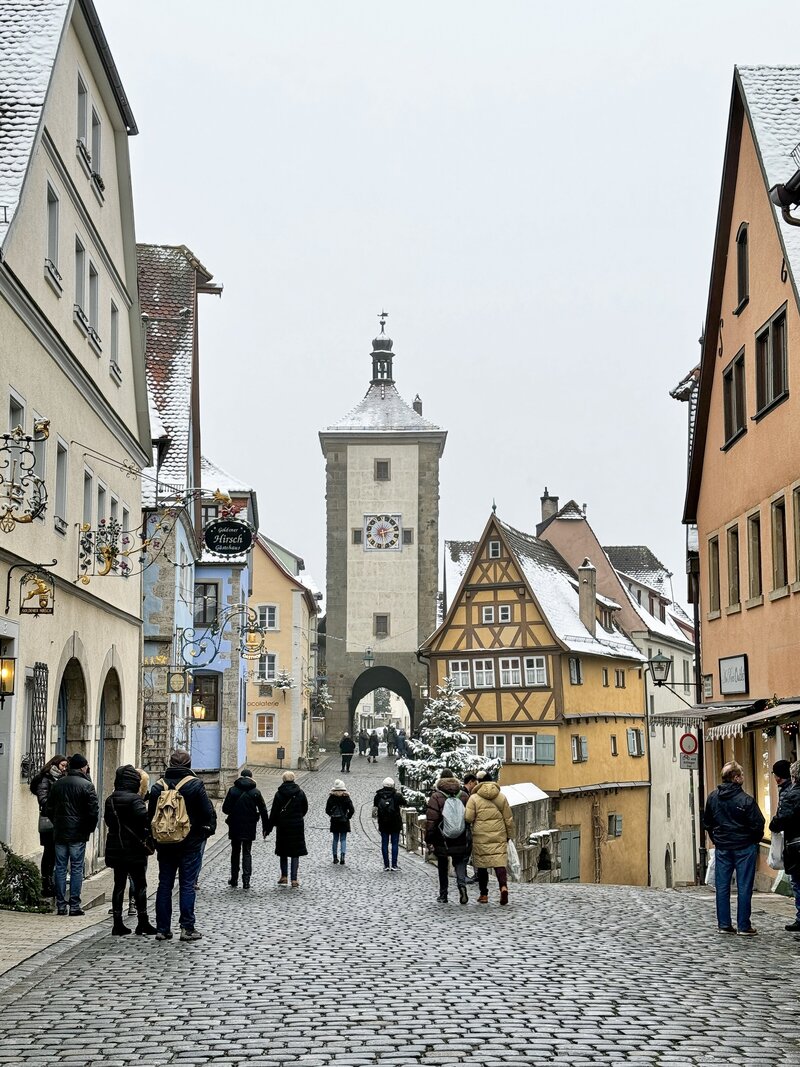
(339,812)
(386,805)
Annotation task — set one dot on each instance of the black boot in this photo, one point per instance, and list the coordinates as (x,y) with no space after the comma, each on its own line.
(144,926)
(119,929)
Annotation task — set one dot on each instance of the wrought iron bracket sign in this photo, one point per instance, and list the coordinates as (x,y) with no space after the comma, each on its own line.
(110,550)
(37,588)
(23,496)
(201,649)
(228,537)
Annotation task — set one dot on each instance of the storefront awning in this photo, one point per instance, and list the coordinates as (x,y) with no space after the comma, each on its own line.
(698,714)
(757,721)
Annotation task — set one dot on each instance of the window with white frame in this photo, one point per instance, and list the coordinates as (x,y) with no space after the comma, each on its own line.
(487,613)
(472,746)
(459,672)
(113,337)
(535,670)
(580,748)
(575,671)
(266,726)
(268,616)
(615,826)
(61,484)
(614,749)
(88,486)
(52,231)
(94,301)
(534,748)
(16,413)
(83,112)
(113,509)
(619,679)
(80,279)
(96,142)
(268,667)
(483,673)
(635,742)
(101,503)
(605,677)
(686,678)
(494,550)
(126,521)
(510,673)
(504,613)
(494,746)
(606,618)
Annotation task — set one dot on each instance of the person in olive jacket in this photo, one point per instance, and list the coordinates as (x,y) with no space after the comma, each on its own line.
(388,804)
(287,817)
(447,848)
(182,860)
(734,823)
(128,847)
(74,810)
(40,786)
(244,805)
(787,820)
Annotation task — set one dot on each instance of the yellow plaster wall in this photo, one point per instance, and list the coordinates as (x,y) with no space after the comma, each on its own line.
(623,860)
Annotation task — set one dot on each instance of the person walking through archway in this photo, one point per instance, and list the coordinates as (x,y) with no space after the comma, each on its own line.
(374,745)
(363,741)
(244,805)
(287,817)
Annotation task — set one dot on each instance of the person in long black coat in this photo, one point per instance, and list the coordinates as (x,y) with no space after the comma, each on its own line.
(40,786)
(388,805)
(127,847)
(244,805)
(286,817)
(374,743)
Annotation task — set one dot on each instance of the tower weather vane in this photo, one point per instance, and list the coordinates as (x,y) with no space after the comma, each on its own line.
(384,315)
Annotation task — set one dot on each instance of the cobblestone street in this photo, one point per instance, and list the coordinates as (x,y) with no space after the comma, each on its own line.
(363,967)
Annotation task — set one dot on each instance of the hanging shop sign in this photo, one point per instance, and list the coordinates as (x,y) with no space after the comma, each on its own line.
(228,537)
(733,676)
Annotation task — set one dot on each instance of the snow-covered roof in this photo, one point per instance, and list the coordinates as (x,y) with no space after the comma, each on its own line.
(772,98)
(640,564)
(216,477)
(553,583)
(382,409)
(29,38)
(523,793)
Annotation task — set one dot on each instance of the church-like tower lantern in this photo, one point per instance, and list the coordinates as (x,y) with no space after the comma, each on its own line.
(382,504)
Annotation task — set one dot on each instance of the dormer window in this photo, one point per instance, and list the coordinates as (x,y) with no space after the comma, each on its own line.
(494,550)
(606,619)
(742,269)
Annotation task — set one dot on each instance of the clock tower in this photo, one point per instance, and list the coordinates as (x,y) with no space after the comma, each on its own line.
(382,494)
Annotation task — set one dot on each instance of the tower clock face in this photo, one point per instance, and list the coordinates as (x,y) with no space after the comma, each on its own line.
(382,531)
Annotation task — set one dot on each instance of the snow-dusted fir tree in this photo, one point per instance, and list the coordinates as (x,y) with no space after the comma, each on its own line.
(442,743)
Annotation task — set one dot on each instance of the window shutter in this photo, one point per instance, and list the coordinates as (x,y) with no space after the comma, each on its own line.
(631,742)
(584,748)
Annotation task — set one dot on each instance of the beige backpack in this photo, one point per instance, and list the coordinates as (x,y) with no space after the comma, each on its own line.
(170,824)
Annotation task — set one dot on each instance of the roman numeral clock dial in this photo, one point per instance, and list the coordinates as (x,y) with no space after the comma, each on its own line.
(382,531)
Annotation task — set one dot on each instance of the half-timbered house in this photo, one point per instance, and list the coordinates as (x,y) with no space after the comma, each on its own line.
(553,688)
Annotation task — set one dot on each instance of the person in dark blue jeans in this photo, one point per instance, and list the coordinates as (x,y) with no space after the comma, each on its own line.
(73,808)
(735,825)
(388,804)
(185,858)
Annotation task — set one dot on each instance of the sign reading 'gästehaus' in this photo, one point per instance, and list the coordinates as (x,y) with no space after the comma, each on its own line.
(228,537)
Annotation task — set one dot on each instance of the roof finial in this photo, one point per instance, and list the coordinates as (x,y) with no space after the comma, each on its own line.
(384,315)
(494,506)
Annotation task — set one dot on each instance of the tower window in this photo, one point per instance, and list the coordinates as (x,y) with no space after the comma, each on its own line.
(408,536)
(383,470)
(358,535)
(742,268)
(380,625)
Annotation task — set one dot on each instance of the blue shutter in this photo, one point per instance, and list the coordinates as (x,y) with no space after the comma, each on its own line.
(545,748)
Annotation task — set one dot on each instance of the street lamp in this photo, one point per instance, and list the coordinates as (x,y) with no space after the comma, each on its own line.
(198,711)
(660,666)
(369,657)
(8,674)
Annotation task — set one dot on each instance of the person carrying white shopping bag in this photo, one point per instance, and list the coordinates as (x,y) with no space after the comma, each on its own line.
(786,823)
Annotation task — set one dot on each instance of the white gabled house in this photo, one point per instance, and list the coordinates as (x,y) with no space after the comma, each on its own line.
(71,357)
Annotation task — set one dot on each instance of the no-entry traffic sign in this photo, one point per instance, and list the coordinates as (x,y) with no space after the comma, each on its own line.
(688,744)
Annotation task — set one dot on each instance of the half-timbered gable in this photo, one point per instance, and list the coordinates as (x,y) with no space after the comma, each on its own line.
(550,686)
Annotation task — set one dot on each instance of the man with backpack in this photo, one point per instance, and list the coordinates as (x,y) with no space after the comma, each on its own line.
(388,804)
(446,833)
(182,818)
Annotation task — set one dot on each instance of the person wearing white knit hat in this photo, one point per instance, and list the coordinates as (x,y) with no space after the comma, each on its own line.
(387,806)
(340,809)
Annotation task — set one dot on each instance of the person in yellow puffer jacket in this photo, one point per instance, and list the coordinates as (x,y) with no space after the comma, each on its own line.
(489,814)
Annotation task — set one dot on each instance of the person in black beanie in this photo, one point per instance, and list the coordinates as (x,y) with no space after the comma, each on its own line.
(244,805)
(787,821)
(74,810)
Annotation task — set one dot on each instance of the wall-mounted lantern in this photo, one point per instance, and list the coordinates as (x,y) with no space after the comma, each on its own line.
(369,657)
(8,677)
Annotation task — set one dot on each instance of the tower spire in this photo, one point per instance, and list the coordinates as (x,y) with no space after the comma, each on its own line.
(382,355)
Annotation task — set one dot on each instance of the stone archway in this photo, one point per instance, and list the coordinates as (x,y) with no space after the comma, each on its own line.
(381,678)
(71,710)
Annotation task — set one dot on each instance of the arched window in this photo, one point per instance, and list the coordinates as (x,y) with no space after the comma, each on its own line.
(742,267)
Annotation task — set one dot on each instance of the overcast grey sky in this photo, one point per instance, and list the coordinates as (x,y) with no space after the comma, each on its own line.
(529,189)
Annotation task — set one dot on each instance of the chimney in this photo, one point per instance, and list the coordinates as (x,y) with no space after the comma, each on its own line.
(549,505)
(587,595)
(417,405)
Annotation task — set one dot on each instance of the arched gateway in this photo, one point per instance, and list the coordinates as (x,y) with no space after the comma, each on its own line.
(382,496)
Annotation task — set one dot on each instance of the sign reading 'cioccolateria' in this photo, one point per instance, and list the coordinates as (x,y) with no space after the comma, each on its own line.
(228,537)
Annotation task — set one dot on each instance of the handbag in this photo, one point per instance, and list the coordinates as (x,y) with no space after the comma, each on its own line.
(512,862)
(45,825)
(775,857)
(146,843)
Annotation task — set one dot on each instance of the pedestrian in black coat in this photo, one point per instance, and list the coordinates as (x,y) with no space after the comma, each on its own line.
(363,741)
(286,817)
(40,786)
(340,808)
(128,847)
(787,820)
(244,805)
(347,747)
(373,747)
(388,804)
(74,810)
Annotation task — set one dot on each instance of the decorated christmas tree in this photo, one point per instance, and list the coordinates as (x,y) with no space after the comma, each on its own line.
(442,743)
